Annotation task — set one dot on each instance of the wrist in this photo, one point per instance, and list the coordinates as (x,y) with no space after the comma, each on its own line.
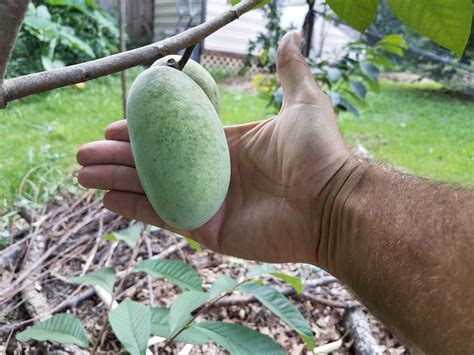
(336,216)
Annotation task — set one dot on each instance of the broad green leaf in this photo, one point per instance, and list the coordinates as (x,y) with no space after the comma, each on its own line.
(183,305)
(160,327)
(358,88)
(131,323)
(222,285)
(334,74)
(193,244)
(294,281)
(261,4)
(282,307)
(49,64)
(370,71)
(130,235)
(347,106)
(334,97)
(239,340)
(263,269)
(357,13)
(176,271)
(62,328)
(70,37)
(104,277)
(448,23)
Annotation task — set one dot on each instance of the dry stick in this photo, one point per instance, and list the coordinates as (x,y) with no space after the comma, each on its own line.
(356,322)
(11,17)
(47,254)
(123,48)
(44,81)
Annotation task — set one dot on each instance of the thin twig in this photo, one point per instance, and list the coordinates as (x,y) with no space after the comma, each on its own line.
(39,82)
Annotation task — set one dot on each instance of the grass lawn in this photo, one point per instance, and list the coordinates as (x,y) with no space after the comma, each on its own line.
(416,129)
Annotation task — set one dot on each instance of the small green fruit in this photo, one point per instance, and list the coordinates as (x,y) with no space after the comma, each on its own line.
(179,147)
(200,75)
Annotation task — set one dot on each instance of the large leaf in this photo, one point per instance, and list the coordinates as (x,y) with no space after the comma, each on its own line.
(131,323)
(260,4)
(49,64)
(263,269)
(222,285)
(370,71)
(160,327)
(75,42)
(358,88)
(176,271)
(357,13)
(282,307)
(238,339)
(104,277)
(183,305)
(130,235)
(62,328)
(448,23)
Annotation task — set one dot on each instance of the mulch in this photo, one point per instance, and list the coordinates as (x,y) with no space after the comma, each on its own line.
(73,228)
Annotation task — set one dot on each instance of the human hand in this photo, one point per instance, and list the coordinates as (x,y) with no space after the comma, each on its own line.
(286,172)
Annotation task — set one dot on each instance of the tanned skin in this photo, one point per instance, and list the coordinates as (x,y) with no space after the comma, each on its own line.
(405,246)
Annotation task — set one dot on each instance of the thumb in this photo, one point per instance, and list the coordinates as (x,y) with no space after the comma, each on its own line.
(295,76)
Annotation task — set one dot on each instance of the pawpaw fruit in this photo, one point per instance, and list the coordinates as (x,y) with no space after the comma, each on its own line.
(200,75)
(179,147)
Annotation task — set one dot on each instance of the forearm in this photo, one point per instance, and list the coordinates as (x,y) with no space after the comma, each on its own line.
(406,248)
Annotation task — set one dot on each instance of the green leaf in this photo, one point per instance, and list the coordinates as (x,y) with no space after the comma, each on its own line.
(282,307)
(238,339)
(176,271)
(358,88)
(193,244)
(357,13)
(222,285)
(370,71)
(347,106)
(260,4)
(62,328)
(70,37)
(334,74)
(131,323)
(49,64)
(263,269)
(183,305)
(104,277)
(131,235)
(334,97)
(448,23)
(393,44)
(160,327)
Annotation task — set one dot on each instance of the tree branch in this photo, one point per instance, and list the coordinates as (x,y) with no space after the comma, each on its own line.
(12,13)
(39,82)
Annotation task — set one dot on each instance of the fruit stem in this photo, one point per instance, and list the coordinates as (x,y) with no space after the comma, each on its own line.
(184,59)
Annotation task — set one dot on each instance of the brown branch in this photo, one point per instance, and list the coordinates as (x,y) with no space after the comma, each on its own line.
(39,82)
(12,13)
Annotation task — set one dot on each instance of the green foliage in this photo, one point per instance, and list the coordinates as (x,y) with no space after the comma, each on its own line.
(223,284)
(239,340)
(56,33)
(62,328)
(176,271)
(345,80)
(183,305)
(445,22)
(265,45)
(130,235)
(131,323)
(357,13)
(282,307)
(104,277)
(263,269)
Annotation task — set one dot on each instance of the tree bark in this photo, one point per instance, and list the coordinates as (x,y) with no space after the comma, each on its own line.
(44,81)
(355,321)
(12,13)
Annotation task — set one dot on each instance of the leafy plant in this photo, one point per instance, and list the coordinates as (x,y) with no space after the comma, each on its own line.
(346,80)
(56,33)
(133,323)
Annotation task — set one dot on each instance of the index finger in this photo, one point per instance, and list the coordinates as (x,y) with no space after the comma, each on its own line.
(117,131)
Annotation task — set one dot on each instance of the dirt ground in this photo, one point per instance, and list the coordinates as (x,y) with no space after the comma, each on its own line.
(73,229)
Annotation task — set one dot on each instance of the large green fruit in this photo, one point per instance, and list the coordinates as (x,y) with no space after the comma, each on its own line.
(179,147)
(200,75)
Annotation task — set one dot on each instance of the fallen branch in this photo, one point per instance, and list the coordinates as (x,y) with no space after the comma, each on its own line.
(355,321)
(44,81)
